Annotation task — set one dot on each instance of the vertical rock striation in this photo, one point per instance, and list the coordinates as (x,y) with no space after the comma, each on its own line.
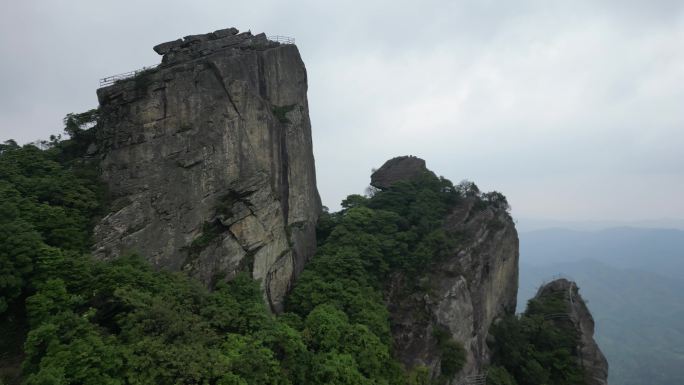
(208,159)
(589,354)
(467,291)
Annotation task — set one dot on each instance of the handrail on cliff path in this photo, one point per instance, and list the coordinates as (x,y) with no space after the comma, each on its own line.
(561,276)
(476,379)
(557,316)
(109,80)
(281,39)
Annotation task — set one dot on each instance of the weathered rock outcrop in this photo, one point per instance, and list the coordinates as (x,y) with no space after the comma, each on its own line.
(397,169)
(208,158)
(465,292)
(591,358)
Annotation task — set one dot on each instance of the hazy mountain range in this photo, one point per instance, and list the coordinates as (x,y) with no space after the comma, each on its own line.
(525,225)
(632,280)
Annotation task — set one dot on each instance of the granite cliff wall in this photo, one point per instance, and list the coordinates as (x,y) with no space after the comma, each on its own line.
(474,286)
(208,158)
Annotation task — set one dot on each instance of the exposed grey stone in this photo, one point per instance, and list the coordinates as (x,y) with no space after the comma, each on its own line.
(225,32)
(196,143)
(164,48)
(92,149)
(404,168)
(591,359)
(196,46)
(197,38)
(260,39)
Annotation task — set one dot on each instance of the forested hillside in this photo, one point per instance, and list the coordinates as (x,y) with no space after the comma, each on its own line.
(532,349)
(67,318)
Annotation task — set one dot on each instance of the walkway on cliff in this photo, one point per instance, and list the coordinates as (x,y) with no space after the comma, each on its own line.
(476,379)
(109,80)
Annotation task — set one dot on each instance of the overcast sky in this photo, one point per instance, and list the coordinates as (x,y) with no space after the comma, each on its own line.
(573,109)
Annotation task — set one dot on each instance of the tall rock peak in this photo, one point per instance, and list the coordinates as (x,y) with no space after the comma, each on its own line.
(475,284)
(208,159)
(590,357)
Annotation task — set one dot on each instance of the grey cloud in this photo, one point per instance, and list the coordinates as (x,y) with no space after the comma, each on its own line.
(537,99)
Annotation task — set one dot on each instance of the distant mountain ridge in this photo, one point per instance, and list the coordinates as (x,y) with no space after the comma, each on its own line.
(656,250)
(531,224)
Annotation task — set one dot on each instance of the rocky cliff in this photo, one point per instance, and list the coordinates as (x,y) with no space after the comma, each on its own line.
(208,159)
(468,290)
(590,357)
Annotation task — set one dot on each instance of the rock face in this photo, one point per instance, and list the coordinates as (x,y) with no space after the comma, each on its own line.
(208,159)
(397,169)
(591,358)
(470,289)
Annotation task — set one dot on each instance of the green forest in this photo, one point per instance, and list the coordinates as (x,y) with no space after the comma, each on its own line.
(529,350)
(66,318)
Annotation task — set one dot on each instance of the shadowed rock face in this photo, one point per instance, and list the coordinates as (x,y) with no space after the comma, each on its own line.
(209,161)
(590,357)
(477,284)
(397,169)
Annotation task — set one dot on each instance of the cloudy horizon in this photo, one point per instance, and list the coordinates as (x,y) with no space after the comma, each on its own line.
(573,111)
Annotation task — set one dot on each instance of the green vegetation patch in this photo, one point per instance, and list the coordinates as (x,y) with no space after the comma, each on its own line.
(399,229)
(452,355)
(280,112)
(549,303)
(529,350)
(210,233)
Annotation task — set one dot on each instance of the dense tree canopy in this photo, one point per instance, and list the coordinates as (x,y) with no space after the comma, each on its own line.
(395,229)
(532,350)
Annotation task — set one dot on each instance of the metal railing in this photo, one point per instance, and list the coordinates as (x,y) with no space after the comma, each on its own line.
(560,276)
(557,316)
(281,39)
(109,80)
(477,379)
